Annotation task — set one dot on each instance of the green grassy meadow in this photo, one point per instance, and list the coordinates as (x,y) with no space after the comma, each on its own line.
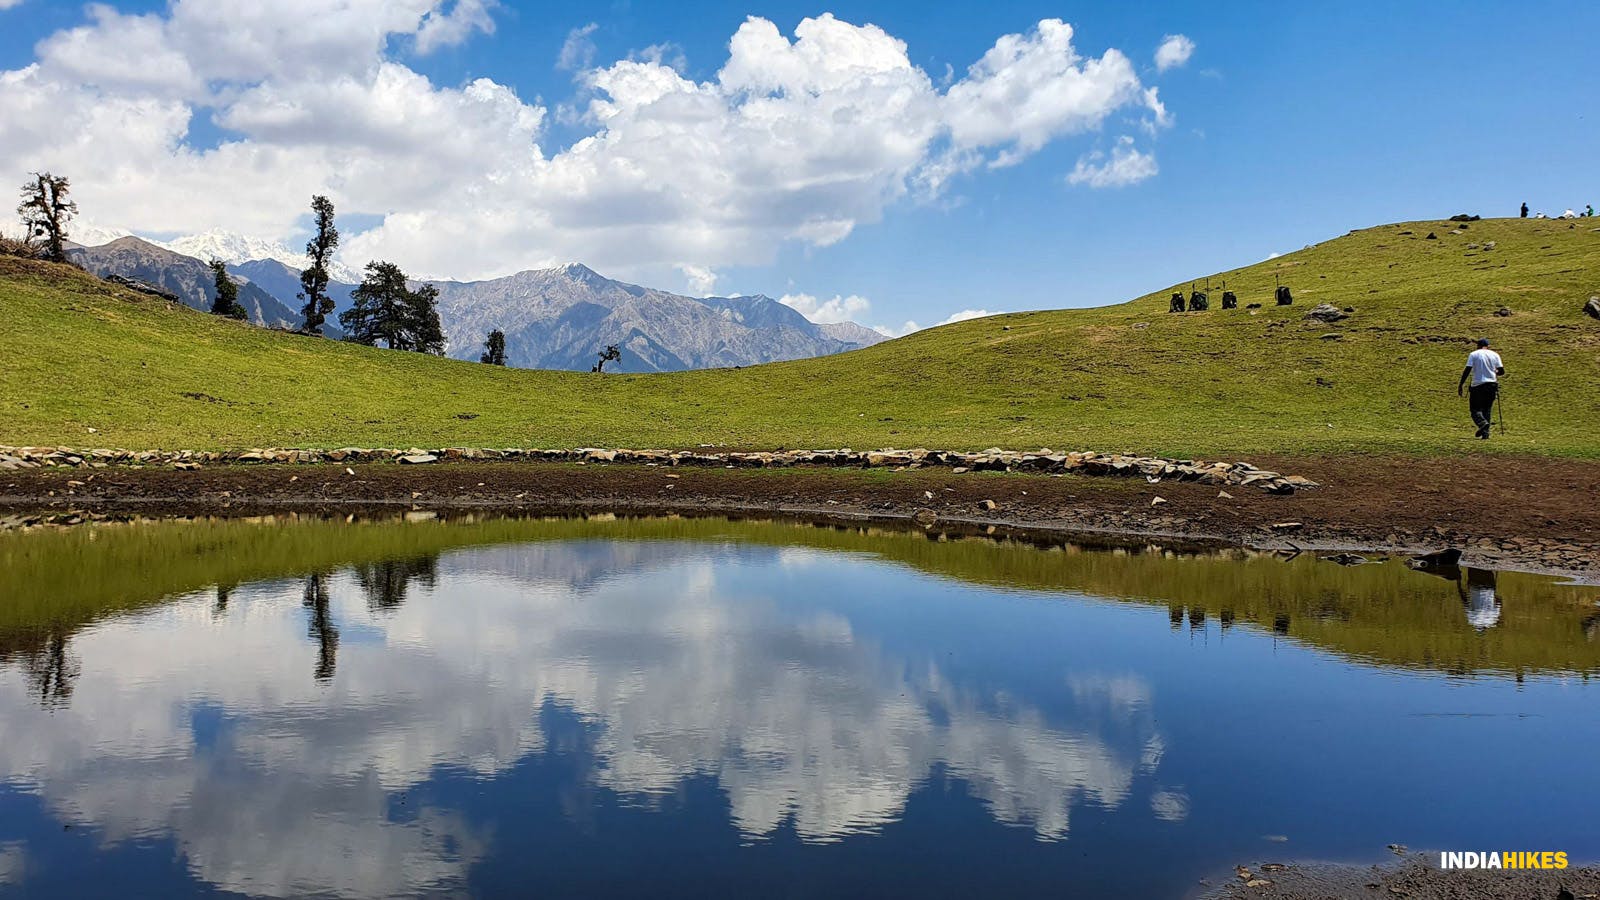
(147,374)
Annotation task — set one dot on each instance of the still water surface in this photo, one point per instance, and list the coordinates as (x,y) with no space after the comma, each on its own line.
(692,707)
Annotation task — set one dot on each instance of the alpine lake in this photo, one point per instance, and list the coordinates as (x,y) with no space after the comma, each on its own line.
(464,705)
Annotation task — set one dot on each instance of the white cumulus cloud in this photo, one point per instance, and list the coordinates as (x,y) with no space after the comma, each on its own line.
(825,312)
(912,326)
(444,29)
(702,280)
(1174,51)
(797,138)
(1124,166)
(965,315)
(1029,89)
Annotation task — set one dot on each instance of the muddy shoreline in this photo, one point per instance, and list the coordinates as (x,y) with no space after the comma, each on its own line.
(1532,515)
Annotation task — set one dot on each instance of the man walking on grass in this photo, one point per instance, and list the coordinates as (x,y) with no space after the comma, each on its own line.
(1485,370)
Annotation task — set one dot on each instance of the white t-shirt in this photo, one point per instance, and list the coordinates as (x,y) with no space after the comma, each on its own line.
(1483,607)
(1484,363)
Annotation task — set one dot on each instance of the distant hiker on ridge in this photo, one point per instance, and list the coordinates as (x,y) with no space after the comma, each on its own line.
(1485,369)
(1524,210)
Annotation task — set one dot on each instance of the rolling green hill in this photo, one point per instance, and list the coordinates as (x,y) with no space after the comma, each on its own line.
(142,373)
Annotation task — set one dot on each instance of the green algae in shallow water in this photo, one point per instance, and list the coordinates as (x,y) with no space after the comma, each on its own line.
(54,581)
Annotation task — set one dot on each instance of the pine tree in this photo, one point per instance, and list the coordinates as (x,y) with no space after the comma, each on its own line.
(226,302)
(494,349)
(386,309)
(314,280)
(45,211)
(427,332)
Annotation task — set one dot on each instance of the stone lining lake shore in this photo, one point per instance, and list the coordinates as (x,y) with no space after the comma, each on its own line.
(1527,514)
(1045,461)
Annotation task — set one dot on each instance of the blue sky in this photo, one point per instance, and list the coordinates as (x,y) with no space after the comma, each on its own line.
(1290,123)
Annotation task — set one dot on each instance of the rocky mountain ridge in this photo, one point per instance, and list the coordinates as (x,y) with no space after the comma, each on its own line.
(186,277)
(559,318)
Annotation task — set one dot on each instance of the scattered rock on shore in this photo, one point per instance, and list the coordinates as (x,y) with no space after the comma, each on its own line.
(994,459)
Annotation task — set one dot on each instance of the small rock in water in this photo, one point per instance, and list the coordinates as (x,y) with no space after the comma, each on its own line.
(1158,501)
(1445,558)
(1224,495)
(987,504)
(1286,526)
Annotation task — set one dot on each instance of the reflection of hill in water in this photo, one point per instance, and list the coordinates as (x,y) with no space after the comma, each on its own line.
(800,720)
(1385,614)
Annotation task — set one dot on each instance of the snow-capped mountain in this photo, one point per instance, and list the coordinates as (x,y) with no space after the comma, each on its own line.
(188,278)
(87,235)
(231,247)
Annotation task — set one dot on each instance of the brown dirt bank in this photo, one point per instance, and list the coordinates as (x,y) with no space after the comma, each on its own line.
(1525,513)
(1418,878)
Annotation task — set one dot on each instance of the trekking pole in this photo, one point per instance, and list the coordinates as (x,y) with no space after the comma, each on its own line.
(1500,401)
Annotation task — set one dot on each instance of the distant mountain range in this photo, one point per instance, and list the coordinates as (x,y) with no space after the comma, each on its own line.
(236,248)
(283,281)
(553,318)
(560,318)
(188,278)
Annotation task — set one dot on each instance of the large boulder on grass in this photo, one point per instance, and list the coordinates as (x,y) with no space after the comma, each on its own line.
(1327,312)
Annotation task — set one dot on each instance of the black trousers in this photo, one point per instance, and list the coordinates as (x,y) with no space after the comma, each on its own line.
(1480,398)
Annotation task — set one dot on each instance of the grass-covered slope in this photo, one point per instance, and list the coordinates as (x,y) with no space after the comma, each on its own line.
(144,373)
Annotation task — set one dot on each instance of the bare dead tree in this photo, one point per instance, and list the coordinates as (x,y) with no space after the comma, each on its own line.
(612,353)
(45,210)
